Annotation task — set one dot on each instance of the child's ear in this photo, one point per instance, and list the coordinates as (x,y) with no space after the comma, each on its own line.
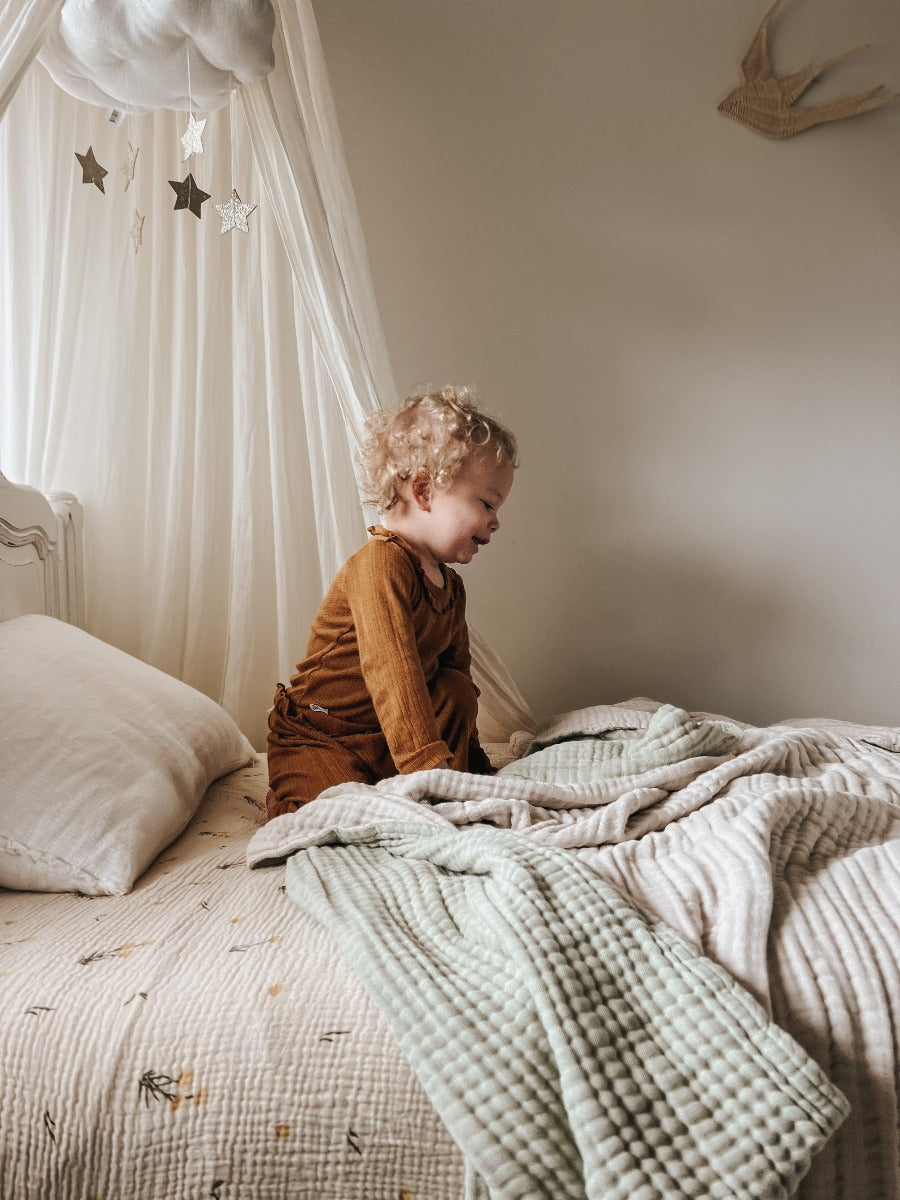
(420,487)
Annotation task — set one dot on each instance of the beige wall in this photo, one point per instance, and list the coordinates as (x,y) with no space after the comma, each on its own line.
(694,330)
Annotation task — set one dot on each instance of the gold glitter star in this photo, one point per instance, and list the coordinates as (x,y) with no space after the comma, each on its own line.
(234,214)
(127,167)
(189,195)
(91,171)
(137,230)
(190,139)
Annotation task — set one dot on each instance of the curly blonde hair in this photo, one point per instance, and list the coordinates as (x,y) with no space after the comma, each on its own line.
(431,433)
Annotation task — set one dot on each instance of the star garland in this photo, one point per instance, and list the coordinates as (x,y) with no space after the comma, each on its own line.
(188,194)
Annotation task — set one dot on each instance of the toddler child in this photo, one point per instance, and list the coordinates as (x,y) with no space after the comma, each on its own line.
(385,687)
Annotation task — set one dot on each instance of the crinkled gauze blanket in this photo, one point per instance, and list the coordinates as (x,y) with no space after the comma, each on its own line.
(574,1046)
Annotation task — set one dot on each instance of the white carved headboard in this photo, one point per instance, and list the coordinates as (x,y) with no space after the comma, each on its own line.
(40,553)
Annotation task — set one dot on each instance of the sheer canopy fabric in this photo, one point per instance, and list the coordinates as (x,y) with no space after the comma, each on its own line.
(202,392)
(23,24)
(295,137)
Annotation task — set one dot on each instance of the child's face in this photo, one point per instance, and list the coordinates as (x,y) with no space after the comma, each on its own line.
(464,517)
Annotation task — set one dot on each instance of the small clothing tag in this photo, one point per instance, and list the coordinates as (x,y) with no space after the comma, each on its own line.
(318,708)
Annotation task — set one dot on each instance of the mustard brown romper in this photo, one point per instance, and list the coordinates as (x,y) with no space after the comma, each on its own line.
(385,687)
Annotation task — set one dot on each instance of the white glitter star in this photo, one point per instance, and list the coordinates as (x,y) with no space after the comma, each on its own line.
(234,214)
(127,167)
(137,230)
(190,139)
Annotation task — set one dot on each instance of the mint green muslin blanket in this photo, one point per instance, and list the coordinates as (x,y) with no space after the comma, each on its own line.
(574,1046)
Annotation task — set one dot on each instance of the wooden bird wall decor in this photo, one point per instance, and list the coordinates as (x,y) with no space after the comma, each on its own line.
(765,103)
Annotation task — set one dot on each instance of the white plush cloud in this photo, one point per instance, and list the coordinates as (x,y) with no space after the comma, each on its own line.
(134,55)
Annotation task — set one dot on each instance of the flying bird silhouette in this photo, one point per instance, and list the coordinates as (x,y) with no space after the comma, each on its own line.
(764,102)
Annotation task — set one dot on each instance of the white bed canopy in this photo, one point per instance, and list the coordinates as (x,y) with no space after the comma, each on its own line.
(201,391)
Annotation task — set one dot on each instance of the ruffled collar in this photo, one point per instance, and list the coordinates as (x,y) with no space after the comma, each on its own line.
(440,598)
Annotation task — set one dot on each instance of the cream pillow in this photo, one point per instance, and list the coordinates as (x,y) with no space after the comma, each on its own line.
(103,759)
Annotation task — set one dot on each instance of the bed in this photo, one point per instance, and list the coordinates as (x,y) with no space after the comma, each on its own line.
(194,1003)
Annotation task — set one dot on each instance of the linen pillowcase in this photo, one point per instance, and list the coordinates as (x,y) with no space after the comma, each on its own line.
(103,759)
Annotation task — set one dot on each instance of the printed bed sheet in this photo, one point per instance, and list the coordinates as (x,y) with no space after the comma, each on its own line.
(200,1038)
(773,851)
